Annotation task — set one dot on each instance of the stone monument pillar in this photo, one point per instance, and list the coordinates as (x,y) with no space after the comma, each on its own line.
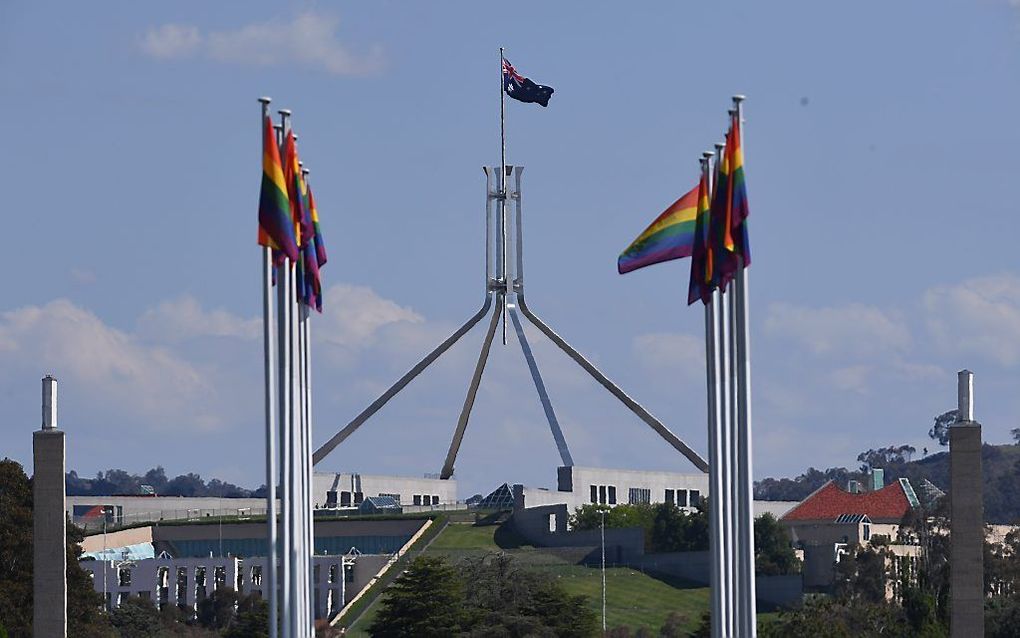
(49,522)
(967,529)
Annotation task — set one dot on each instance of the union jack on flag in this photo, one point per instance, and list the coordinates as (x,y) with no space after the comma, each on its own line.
(522,89)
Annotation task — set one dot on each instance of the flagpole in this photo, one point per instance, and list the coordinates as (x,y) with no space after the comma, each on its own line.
(310,468)
(503,193)
(270,404)
(287,336)
(744,450)
(285,276)
(714,466)
(299,467)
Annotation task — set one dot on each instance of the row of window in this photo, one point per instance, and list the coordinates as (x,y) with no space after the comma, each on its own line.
(426,499)
(606,495)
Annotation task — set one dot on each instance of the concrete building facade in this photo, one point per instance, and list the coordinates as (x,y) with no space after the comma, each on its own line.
(966,613)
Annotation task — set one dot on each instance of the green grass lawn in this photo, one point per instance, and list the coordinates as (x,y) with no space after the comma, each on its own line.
(633,598)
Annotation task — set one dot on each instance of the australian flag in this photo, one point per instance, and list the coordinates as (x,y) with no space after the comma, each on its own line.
(522,89)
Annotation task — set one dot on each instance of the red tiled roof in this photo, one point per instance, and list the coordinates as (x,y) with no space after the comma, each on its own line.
(829,501)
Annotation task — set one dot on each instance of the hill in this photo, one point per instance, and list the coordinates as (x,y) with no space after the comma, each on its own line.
(1000,467)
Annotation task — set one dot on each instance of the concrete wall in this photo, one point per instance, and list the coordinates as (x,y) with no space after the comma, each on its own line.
(49,529)
(622,545)
(142,509)
(966,616)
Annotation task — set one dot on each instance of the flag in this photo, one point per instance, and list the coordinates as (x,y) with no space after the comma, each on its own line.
(293,177)
(320,244)
(521,88)
(310,290)
(670,236)
(700,286)
(728,232)
(275,228)
(738,198)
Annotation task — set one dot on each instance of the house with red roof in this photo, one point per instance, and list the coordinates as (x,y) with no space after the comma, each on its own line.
(831,522)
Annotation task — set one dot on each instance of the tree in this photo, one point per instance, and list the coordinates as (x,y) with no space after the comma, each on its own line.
(217,610)
(940,428)
(861,575)
(1015,433)
(774,554)
(427,600)
(136,617)
(84,618)
(673,627)
(252,620)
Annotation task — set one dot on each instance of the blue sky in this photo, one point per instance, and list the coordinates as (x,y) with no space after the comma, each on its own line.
(880,159)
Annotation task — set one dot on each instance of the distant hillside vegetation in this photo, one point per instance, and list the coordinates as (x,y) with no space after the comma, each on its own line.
(1000,466)
(121,483)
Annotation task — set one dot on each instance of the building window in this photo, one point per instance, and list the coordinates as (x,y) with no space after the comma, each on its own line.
(612,495)
(552,522)
(681,498)
(395,497)
(602,494)
(867,531)
(345,499)
(695,498)
(256,576)
(435,499)
(331,498)
(332,573)
(639,495)
(669,497)
(417,499)
(124,576)
(594,493)
(359,498)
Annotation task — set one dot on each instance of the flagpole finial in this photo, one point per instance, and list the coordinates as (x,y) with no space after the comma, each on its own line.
(707,155)
(719,146)
(738,98)
(265,99)
(284,112)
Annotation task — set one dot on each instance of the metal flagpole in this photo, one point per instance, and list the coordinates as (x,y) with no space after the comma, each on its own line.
(268,344)
(308,466)
(503,193)
(715,479)
(283,286)
(289,536)
(726,444)
(744,450)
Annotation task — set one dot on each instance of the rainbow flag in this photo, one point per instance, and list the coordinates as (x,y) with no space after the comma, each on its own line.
(320,243)
(670,236)
(700,286)
(275,229)
(728,233)
(293,178)
(311,289)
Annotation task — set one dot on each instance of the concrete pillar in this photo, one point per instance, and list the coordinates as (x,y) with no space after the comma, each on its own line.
(967,605)
(49,522)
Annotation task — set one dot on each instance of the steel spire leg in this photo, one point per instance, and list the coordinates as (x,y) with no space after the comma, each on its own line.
(469,401)
(350,428)
(633,405)
(543,396)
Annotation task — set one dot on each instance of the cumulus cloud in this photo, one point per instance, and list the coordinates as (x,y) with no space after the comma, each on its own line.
(354,315)
(73,343)
(980,317)
(184,318)
(310,40)
(853,329)
(670,350)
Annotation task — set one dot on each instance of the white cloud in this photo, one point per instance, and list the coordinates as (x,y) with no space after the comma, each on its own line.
(171,41)
(354,315)
(669,350)
(978,317)
(75,345)
(853,329)
(183,318)
(310,39)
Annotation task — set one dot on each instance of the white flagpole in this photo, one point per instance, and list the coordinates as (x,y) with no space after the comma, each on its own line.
(714,464)
(289,471)
(744,449)
(726,441)
(283,287)
(268,345)
(308,465)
